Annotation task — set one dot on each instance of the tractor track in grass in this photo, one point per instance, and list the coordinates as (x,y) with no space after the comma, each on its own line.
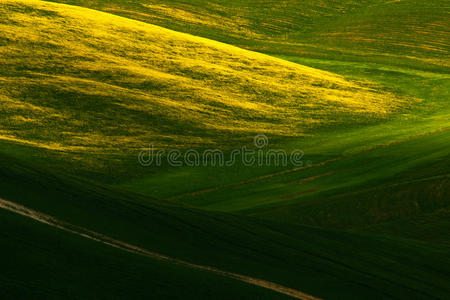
(101,238)
(251,180)
(280,173)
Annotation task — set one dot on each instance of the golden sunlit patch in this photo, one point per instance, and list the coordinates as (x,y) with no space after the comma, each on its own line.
(91,80)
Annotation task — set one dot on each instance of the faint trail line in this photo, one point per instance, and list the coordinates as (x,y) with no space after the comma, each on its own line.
(92,235)
(259,178)
(253,179)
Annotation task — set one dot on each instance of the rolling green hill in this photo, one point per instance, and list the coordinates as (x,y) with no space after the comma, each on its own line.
(80,72)
(407,33)
(361,87)
(323,263)
(60,265)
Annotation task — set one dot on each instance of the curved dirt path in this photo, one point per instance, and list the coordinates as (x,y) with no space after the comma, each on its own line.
(92,235)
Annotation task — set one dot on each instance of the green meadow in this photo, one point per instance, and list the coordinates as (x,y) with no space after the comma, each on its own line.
(361,88)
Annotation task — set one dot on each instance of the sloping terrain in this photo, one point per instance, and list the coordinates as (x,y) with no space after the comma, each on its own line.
(312,260)
(405,180)
(77,79)
(361,87)
(98,271)
(407,33)
(202,291)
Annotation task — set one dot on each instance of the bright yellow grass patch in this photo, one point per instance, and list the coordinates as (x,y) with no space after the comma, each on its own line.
(73,77)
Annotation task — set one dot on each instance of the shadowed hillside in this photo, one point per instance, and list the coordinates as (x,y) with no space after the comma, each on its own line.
(324,263)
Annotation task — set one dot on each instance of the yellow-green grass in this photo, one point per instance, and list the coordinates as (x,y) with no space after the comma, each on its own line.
(404,32)
(77,79)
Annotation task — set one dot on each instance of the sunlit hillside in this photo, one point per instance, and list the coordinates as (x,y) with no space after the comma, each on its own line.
(395,32)
(73,78)
(339,112)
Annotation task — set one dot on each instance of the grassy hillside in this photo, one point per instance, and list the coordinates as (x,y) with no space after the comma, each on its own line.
(361,87)
(85,80)
(62,265)
(313,260)
(319,34)
(406,33)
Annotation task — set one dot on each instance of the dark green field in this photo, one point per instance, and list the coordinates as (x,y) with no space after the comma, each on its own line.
(361,87)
